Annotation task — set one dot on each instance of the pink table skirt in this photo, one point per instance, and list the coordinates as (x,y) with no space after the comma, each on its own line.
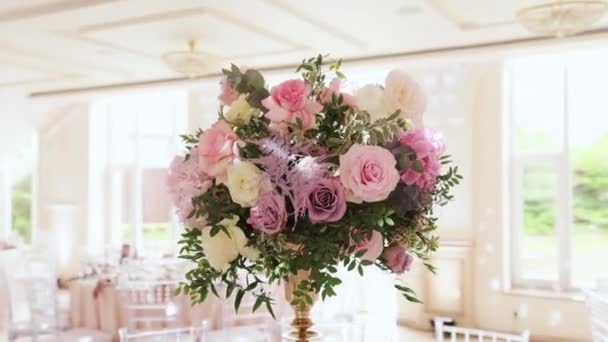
(104,312)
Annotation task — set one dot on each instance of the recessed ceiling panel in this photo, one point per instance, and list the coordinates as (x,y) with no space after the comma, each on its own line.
(156,35)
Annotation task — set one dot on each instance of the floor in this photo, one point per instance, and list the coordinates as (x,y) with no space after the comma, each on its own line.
(409,335)
(405,335)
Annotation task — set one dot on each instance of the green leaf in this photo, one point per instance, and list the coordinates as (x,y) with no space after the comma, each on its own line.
(269,308)
(251,286)
(352,265)
(258,302)
(360,270)
(214,290)
(389,221)
(230,289)
(255,80)
(238,299)
(360,253)
(255,98)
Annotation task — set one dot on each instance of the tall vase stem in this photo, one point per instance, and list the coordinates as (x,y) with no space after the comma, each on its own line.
(302,322)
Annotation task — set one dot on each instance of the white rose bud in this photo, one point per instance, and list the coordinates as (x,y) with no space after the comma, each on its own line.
(370,98)
(240,110)
(401,91)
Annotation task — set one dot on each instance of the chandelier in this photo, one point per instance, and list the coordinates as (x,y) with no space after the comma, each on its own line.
(563,17)
(190,63)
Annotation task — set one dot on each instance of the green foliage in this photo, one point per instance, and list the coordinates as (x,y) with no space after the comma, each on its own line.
(590,178)
(22,207)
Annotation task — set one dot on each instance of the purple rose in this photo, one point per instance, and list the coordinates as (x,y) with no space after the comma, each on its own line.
(397,258)
(268,215)
(326,200)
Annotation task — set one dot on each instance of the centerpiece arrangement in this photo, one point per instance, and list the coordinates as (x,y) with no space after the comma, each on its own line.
(294,181)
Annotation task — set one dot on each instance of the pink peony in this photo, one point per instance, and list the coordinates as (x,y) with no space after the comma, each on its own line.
(185,181)
(397,258)
(428,149)
(228,94)
(268,215)
(372,246)
(217,148)
(334,88)
(368,172)
(325,200)
(289,100)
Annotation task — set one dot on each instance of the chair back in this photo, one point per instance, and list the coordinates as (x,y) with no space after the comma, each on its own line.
(597,303)
(189,334)
(149,304)
(246,325)
(477,335)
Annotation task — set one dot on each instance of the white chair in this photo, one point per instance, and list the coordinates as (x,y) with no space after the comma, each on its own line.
(149,304)
(189,334)
(256,326)
(470,335)
(597,303)
(40,287)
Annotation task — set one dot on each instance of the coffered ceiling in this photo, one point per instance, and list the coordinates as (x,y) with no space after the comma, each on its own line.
(49,45)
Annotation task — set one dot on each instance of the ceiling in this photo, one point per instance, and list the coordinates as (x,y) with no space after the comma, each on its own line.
(50,45)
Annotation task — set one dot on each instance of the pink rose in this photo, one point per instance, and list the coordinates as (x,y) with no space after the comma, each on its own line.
(289,100)
(268,215)
(325,200)
(334,88)
(397,258)
(373,247)
(217,148)
(368,172)
(228,94)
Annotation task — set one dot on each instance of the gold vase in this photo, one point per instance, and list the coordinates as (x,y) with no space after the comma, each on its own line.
(302,322)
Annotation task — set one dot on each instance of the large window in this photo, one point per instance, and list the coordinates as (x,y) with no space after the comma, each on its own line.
(142,139)
(559,183)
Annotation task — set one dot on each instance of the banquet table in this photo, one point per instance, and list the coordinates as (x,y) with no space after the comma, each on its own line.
(104,313)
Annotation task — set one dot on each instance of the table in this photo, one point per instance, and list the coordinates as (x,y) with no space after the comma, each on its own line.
(104,312)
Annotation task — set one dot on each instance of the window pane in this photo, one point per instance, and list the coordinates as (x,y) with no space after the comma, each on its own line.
(156,227)
(22,208)
(589,146)
(539,239)
(537,103)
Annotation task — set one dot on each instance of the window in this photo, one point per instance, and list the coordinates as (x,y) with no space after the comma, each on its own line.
(142,138)
(16,197)
(559,167)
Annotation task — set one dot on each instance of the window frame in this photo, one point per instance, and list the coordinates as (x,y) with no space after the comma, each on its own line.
(116,185)
(564,220)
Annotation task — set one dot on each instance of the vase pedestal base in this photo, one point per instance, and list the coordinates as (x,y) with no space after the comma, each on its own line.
(295,335)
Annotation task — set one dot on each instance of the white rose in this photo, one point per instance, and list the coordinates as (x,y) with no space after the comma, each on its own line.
(243,182)
(239,110)
(403,92)
(370,98)
(223,248)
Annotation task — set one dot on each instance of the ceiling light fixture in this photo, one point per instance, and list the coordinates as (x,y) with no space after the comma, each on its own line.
(563,17)
(190,63)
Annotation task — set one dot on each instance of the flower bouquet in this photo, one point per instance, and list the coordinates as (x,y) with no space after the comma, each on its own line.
(294,182)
